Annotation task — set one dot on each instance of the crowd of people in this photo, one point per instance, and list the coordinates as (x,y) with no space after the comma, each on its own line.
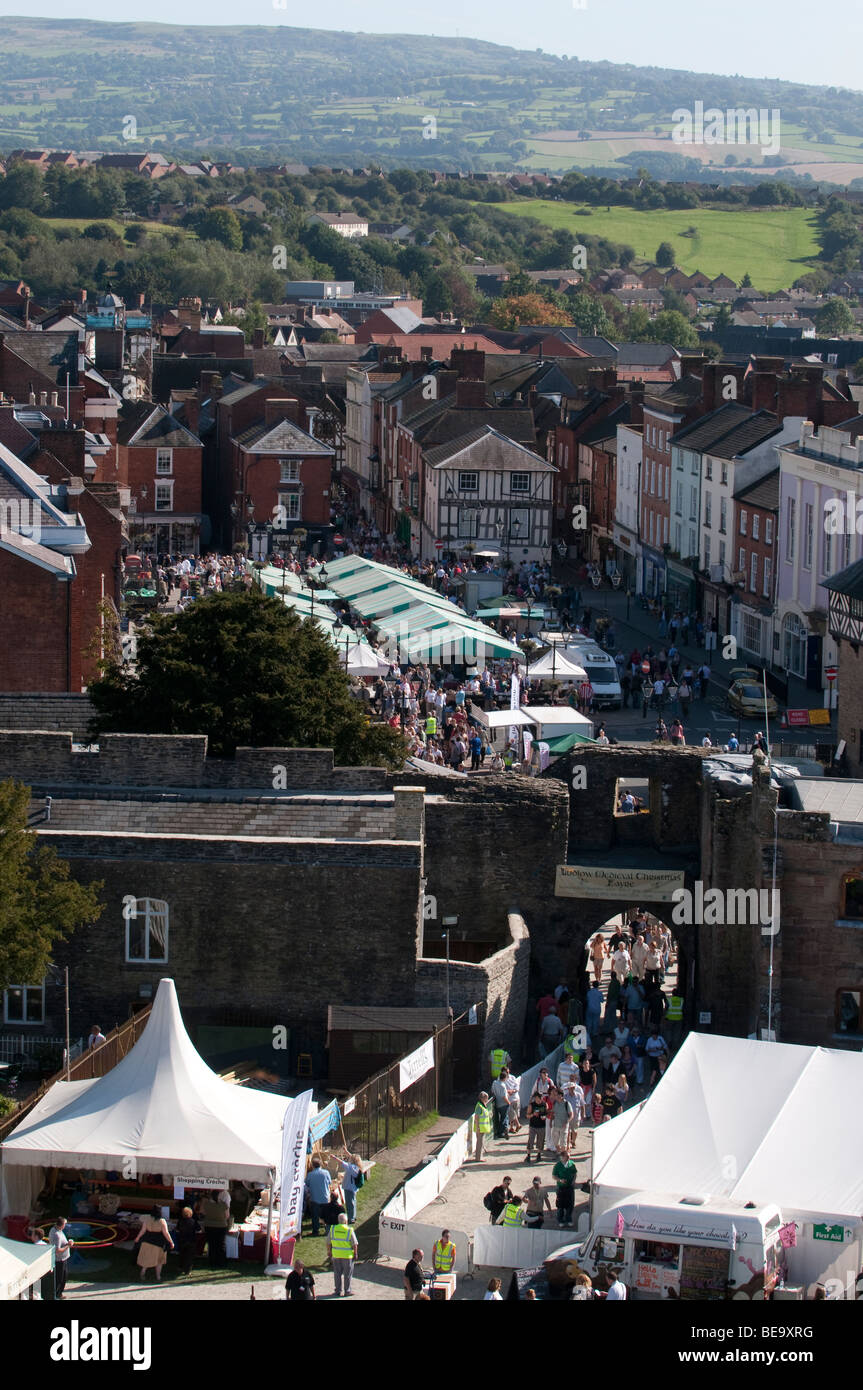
(615,1050)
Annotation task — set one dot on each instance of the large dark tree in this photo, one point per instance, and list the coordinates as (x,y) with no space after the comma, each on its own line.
(247,672)
(39,902)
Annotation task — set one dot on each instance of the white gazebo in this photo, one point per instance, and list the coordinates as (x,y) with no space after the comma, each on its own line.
(160,1110)
(554,666)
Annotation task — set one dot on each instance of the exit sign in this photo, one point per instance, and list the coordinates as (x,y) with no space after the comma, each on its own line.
(824,1232)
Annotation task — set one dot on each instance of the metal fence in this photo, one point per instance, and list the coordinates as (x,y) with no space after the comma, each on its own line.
(94,1062)
(14,1047)
(380,1112)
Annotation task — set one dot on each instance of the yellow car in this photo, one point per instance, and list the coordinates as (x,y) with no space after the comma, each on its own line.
(750,675)
(747,699)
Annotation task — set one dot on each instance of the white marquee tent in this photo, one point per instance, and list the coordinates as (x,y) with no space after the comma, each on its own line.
(161,1107)
(22,1265)
(734,1119)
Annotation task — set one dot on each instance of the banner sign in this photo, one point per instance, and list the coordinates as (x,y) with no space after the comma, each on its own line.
(514,703)
(349,1105)
(645,885)
(292,1177)
(416,1065)
(324,1121)
(218,1183)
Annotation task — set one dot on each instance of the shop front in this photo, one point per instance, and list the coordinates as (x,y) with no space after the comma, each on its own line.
(680,588)
(626,558)
(653,570)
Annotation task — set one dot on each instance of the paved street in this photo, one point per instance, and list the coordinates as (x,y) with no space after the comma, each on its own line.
(710,716)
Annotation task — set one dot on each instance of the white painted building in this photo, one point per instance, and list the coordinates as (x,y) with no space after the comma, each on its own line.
(627,534)
(821,487)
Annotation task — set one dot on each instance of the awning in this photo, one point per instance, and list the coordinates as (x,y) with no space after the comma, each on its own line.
(21,1264)
(565,743)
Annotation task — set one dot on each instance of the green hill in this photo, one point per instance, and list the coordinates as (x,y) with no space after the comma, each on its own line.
(774,244)
(233,92)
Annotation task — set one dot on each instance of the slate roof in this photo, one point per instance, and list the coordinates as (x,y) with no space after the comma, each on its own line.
(676,395)
(452,422)
(284,437)
(645,354)
(848,581)
(503,444)
(145,425)
(764,493)
(731,430)
(49,354)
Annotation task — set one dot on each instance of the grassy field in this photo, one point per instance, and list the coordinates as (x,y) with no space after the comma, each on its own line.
(79,223)
(773,246)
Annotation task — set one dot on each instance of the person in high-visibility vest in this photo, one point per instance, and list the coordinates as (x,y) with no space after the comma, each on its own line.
(513,1213)
(443,1254)
(498,1059)
(342,1249)
(482,1123)
(674,1019)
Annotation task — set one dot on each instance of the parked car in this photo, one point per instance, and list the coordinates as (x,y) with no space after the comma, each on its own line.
(750,674)
(747,699)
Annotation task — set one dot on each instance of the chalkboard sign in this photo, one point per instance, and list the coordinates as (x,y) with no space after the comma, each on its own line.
(704,1272)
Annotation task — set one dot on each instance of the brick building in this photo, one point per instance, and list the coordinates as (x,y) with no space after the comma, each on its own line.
(160,461)
(282,476)
(60,559)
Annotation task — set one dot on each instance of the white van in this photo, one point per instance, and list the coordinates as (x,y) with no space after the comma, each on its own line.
(601,672)
(692,1250)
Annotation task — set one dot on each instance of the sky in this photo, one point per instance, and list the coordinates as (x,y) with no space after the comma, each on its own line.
(775,38)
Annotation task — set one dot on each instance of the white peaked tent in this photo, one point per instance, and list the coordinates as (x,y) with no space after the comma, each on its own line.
(553,665)
(22,1265)
(161,1106)
(737,1099)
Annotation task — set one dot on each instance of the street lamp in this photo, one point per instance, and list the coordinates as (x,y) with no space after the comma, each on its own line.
(338,628)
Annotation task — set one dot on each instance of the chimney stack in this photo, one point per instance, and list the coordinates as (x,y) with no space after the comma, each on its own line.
(257,338)
(470,395)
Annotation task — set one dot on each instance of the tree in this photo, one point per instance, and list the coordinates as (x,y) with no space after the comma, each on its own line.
(835,318)
(220,224)
(22,188)
(589,316)
(39,902)
(671,327)
(247,672)
(746,282)
(722,319)
(665,255)
(526,308)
